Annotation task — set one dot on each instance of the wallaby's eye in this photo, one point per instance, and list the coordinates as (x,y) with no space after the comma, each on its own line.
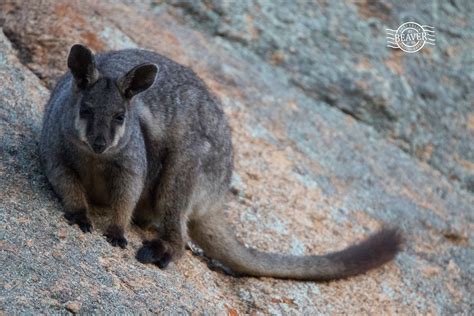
(119,118)
(85,113)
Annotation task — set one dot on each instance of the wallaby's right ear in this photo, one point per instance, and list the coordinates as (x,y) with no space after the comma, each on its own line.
(137,80)
(81,62)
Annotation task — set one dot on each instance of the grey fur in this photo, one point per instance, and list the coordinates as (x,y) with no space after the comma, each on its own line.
(151,142)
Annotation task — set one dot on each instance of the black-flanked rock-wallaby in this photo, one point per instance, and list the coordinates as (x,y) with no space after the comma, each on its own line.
(138,133)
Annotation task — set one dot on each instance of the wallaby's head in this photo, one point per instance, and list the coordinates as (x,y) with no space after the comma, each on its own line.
(103,105)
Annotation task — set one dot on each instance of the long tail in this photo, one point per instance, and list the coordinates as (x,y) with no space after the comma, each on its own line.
(218,242)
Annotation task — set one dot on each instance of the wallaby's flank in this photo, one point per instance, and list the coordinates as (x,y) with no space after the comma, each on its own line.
(142,135)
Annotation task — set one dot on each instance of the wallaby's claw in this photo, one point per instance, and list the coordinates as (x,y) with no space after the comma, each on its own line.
(118,241)
(115,236)
(79,218)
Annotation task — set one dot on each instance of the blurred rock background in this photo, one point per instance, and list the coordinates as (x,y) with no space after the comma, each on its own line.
(335,135)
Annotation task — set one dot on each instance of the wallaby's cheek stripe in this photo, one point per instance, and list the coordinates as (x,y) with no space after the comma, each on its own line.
(81,128)
(117,132)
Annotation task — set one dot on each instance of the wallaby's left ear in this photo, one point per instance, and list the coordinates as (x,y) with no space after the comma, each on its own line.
(81,62)
(137,80)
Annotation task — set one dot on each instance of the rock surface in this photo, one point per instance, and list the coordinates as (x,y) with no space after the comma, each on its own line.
(309,178)
(335,52)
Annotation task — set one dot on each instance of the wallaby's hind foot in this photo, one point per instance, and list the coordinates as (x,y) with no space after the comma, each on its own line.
(159,252)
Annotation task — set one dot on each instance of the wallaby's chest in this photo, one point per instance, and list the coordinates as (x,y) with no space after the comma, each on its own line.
(96,178)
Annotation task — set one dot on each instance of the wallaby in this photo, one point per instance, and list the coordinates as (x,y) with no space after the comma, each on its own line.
(138,133)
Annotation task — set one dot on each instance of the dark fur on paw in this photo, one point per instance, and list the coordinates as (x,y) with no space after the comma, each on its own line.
(115,236)
(156,251)
(79,218)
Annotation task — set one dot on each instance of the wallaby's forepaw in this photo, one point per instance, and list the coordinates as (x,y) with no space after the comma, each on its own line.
(80,218)
(115,236)
(159,252)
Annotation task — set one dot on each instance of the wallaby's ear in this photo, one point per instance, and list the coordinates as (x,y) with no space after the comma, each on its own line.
(81,62)
(137,80)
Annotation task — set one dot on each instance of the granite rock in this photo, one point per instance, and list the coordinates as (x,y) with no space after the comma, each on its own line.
(309,178)
(335,52)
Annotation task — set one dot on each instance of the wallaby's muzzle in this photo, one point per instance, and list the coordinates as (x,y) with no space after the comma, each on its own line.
(99,145)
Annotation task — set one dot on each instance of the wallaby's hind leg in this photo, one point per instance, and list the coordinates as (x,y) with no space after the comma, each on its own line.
(172,200)
(167,246)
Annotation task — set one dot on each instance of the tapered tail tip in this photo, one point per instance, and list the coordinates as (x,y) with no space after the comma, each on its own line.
(373,252)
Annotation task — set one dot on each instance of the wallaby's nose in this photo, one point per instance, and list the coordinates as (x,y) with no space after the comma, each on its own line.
(99,144)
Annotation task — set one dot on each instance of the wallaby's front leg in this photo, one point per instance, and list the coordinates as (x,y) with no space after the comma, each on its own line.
(68,186)
(172,203)
(125,192)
